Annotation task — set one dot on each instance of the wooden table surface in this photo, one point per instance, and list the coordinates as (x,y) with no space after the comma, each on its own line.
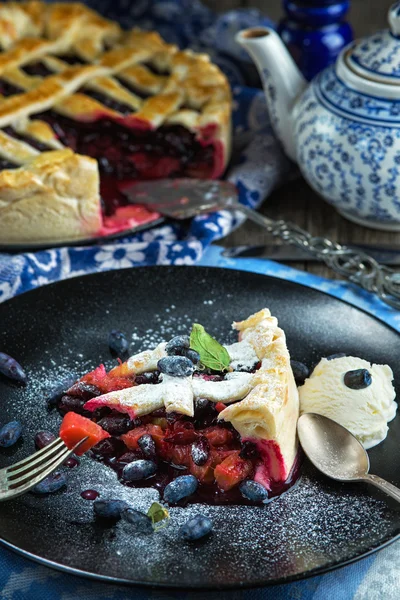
(296,201)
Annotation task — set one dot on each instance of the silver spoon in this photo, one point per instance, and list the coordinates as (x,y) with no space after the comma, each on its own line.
(185,198)
(337,453)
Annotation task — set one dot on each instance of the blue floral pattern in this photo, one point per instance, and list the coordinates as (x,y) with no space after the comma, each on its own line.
(347,148)
(379,54)
(344,101)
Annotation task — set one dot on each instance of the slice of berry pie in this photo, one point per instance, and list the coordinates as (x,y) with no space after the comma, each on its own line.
(141,108)
(224,416)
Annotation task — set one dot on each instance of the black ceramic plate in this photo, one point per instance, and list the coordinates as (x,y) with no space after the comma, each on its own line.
(314,527)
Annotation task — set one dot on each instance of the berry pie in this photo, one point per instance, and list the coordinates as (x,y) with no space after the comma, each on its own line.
(87,109)
(220,421)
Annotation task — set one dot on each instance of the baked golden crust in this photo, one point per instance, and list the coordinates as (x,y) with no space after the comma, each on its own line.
(67,28)
(55,196)
(271,409)
(184,87)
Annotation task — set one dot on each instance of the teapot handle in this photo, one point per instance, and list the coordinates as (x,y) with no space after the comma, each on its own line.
(394,19)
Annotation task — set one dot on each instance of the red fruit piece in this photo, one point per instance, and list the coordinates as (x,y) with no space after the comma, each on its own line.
(108,382)
(219,454)
(75,428)
(112,384)
(218,436)
(205,473)
(183,433)
(179,455)
(96,376)
(131,438)
(232,471)
(220,406)
(122,370)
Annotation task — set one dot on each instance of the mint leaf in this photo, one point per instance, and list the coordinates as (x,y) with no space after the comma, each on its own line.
(158,513)
(212,354)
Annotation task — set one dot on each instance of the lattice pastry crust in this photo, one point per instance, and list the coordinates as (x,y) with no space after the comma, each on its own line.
(115,66)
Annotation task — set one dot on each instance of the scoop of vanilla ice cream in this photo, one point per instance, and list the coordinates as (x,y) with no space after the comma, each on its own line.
(364,412)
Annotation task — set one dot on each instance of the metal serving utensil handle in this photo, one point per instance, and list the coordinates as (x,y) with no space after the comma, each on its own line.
(356,266)
(383,485)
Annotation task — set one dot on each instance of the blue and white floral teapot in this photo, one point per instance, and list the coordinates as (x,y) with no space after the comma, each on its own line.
(343,129)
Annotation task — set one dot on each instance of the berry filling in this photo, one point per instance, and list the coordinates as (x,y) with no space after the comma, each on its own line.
(162,446)
(129,153)
(126,149)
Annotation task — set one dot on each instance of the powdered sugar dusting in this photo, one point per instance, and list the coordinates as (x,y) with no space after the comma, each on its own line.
(311,523)
(316,522)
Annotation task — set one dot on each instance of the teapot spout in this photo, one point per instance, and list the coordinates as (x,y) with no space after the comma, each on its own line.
(282,80)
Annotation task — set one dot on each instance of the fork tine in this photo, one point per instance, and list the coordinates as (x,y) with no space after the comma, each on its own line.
(34,476)
(35,460)
(18,491)
(41,471)
(40,454)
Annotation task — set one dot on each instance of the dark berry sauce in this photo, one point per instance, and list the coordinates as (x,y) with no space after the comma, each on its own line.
(90,494)
(180,445)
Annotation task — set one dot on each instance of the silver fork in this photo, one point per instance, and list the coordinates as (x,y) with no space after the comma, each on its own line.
(28,472)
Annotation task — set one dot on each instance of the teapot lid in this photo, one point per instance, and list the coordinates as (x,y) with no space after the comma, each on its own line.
(377,58)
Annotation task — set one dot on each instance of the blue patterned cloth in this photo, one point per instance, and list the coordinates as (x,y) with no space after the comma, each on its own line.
(260,166)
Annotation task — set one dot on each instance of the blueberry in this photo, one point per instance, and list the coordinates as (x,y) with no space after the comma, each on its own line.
(333,356)
(139,469)
(43,438)
(200,451)
(201,404)
(249,450)
(108,447)
(176,366)
(12,369)
(358,379)
(55,394)
(300,371)
(109,509)
(147,445)
(193,356)
(148,377)
(140,521)
(84,391)
(52,483)
(10,433)
(115,425)
(254,491)
(118,343)
(196,528)
(71,403)
(179,488)
(177,345)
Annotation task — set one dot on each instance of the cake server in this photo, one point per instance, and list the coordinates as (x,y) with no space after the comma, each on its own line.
(337,453)
(185,198)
